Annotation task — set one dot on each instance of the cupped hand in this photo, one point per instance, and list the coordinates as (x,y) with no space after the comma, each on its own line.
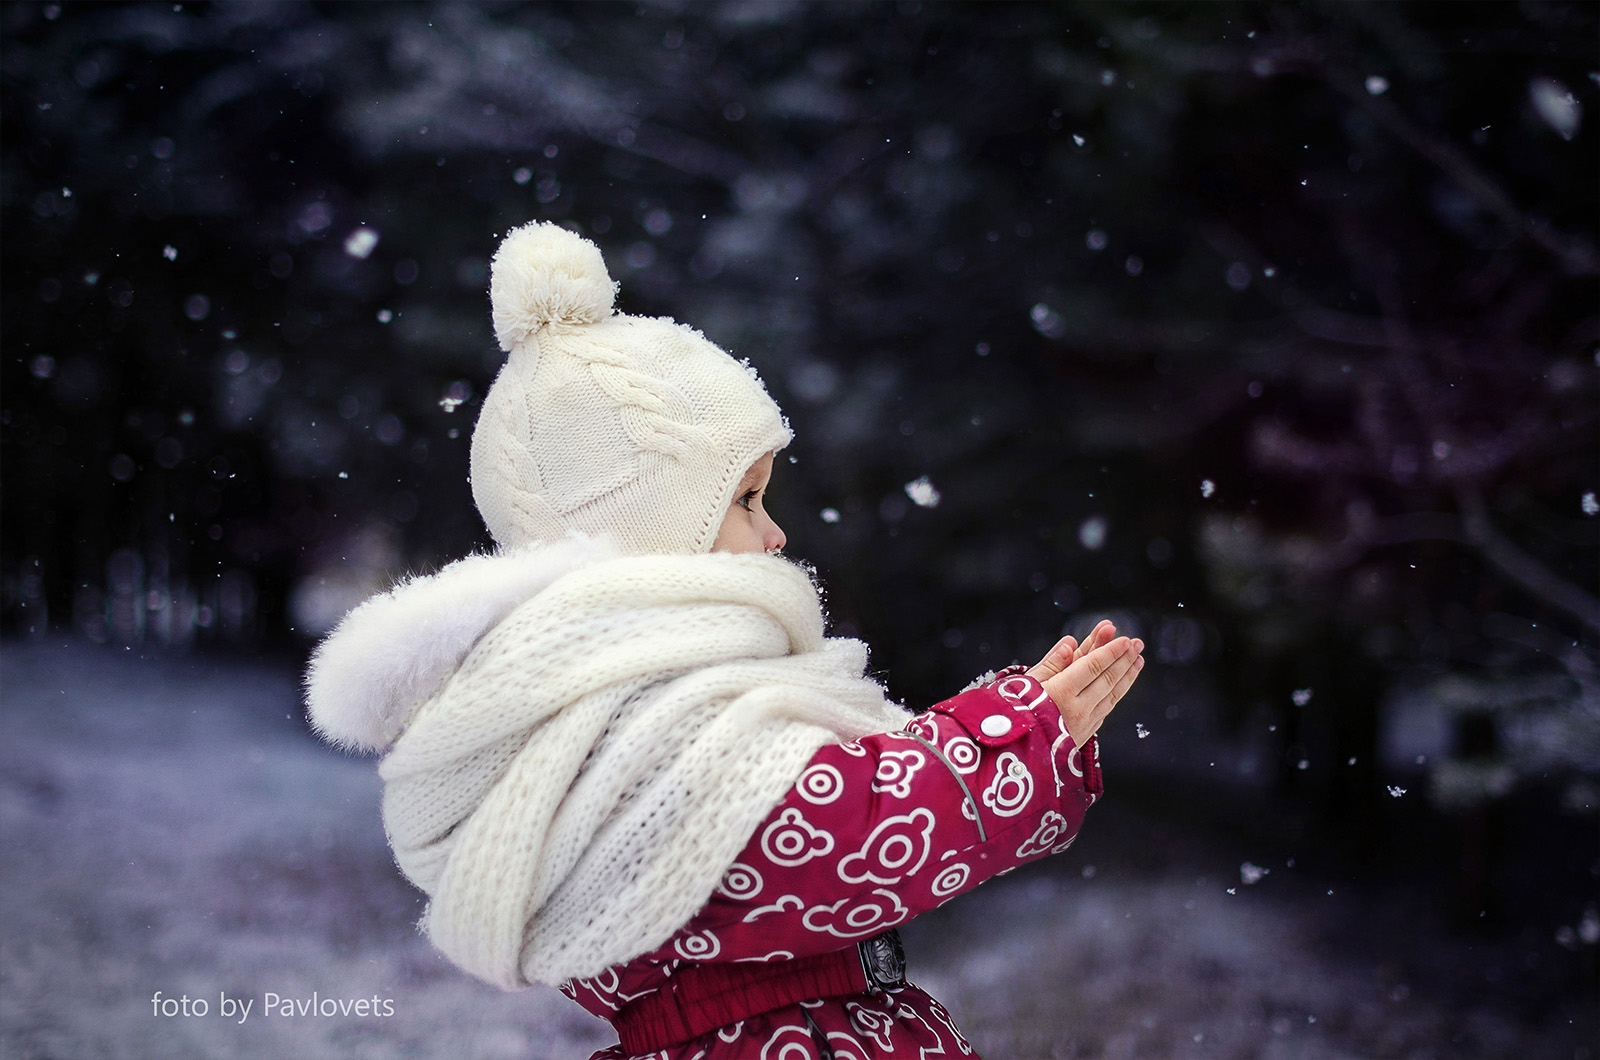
(1066,649)
(1098,675)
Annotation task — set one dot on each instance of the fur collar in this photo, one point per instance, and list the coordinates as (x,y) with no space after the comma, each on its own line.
(397,650)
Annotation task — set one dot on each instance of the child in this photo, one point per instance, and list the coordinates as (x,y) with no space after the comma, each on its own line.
(621,755)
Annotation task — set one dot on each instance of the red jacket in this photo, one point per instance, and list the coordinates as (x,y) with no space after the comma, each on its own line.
(874,832)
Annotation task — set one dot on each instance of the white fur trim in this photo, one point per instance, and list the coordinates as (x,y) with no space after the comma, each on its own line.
(397,650)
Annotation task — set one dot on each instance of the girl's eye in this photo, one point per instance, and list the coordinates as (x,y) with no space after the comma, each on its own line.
(745,501)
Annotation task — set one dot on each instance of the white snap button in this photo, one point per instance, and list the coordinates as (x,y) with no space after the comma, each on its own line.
(995,725)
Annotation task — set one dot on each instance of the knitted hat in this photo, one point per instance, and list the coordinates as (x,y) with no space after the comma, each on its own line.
(635,428)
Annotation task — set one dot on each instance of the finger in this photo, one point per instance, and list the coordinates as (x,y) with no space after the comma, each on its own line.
(1101,688)
(1087,724)
(1061,656)
(1103,633)
(1100,694)
(1118,691)
(1055,660)
(1087,667)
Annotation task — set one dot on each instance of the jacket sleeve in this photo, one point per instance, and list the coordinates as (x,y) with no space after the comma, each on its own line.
(882,828)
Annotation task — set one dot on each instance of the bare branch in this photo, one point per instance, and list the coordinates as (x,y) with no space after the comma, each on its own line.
(1578,257)
(1473,530)
(1522,568)
(1291,54)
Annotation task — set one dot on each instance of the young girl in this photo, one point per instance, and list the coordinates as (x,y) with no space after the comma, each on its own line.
(622,758)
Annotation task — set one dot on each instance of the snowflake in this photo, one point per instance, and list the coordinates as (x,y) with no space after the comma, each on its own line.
(922,493)
(361,242)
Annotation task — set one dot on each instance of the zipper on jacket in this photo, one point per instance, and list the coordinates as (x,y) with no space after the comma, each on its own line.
(977,818)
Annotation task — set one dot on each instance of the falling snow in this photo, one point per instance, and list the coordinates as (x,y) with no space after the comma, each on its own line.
(455,395)
(281,247)
(361,242)
(1589,926)
(1556,104)
(922,493)
(1047,321)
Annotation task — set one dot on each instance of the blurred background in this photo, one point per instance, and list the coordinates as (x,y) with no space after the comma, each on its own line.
(1270,330)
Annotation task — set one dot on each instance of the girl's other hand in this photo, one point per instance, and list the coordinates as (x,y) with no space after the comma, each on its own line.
(1096,679)
(1066,649)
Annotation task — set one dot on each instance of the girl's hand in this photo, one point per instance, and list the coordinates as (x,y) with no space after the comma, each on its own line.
(1094,681)
(1066,649)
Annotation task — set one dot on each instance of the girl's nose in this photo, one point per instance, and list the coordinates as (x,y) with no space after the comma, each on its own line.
(774,539)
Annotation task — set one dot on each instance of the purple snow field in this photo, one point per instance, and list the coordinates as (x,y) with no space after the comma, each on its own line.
(170,825)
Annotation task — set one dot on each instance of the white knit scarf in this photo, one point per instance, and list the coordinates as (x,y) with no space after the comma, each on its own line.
(571,794)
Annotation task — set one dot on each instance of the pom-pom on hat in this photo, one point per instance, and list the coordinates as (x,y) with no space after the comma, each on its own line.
(634,428)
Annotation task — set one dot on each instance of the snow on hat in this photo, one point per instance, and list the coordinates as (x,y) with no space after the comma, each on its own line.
(634,428)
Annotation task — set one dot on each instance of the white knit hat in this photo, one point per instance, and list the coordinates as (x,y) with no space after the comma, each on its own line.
(635,428)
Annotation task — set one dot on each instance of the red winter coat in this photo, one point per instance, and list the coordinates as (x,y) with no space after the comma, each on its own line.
(874,832)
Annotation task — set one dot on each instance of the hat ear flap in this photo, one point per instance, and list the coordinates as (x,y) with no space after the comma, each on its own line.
(505,478)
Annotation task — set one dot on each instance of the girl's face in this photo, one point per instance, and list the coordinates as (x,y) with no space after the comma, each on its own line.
(747,527)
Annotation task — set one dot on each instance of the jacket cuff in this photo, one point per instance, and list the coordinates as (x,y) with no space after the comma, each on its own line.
(988,715)
(1088,756)
(1093,782)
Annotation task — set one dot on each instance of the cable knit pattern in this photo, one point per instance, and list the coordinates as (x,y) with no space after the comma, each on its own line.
(576,789)
(637,428)
(657,417)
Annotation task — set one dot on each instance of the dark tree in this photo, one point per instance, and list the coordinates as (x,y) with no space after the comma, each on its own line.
(1271,328)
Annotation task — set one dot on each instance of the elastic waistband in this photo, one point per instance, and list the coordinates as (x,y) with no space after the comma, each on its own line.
(701,998)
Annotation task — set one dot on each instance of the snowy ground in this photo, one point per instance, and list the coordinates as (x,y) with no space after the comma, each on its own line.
(169,825)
